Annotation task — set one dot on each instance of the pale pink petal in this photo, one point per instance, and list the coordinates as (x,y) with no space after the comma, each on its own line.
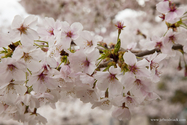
(15,35)
(122,114)
(4,40)
(65,42)
(18,53)
(86,78)
(159,58)
(94,55)
(180,11)
(129,58)
(39,87)
(171,17)
(114,70)
(143,72)
(91,68)
(128,80)
(147,44)
(163,7)
(51,83)
(75,36)
(17,22)
(101,76)
(34,66)
(103,85)
(115,88)
(152,96)
(1,108)
(21,89)
(50,22)
(65,26)
(30,21)
(104,104)
(76,27)
(19,75)
(142,63)
(185,48)
(33,34)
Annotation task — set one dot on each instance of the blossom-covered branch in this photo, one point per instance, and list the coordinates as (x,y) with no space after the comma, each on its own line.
(58,60)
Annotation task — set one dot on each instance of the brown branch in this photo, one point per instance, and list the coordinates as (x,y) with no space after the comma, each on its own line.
(148,52)
(143,53)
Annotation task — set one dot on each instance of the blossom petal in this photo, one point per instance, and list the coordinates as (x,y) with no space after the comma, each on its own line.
(17,22)
(163,7)
(129,58)
(30,21)
(76,27)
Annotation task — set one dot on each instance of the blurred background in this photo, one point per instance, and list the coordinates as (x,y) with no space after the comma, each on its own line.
(100,16)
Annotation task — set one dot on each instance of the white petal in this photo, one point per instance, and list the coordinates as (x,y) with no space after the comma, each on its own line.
(171,17)
(180,11)
(17,22)
(76,27)
(115,88)
(18,53)
(20,89)
(142,63)
(114,70)
(65,26)
(163,7)
(129,58)
(128,80)
(159,58)
(30,21)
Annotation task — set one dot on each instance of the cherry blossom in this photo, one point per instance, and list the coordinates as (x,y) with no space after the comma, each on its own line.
(23,29)
(121,114)
(49,28)
(85,62)
(173,14)
(104,104)
(69,33)
(10,91)
(158,42)
(30,55)
(12,69)
(109,80)
(136,67)
(88,41)
(42,80)
(155,59)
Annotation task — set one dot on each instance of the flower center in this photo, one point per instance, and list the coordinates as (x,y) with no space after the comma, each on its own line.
(51,32)
(86,63)
(69,34)
(133,68)
(89,43)
(11,67)
(120,25)
(107,102)
(22,29)
(172,38)
(112,76)
(172,7)
(129,99)
(26,57)
(42,77)
(138,81)
(159,44)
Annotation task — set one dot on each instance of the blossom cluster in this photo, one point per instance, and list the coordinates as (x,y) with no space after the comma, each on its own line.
(96,15)
(51,62)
